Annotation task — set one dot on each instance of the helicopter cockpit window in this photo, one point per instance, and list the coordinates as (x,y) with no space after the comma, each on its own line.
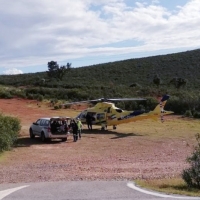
(100,116)
(119,110)
(83,114)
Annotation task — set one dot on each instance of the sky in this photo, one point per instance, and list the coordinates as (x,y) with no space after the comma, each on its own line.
(89,32)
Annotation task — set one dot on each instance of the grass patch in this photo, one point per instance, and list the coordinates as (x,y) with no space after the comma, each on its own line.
(3,156)
(169,186)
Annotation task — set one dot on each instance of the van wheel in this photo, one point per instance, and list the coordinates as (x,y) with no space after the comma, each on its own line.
(32,136)
(43,138)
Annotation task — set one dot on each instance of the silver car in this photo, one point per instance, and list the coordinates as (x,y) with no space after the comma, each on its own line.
(50,128)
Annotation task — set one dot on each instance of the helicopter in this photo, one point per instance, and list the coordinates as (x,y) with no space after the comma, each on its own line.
(105,113)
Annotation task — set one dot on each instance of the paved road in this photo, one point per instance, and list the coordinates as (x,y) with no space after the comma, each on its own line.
(80,190)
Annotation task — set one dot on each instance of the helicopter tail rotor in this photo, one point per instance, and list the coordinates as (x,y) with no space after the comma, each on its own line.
(160,108)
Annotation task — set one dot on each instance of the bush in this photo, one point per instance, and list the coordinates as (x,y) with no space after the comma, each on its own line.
(56,107)
(40,97)
(67,106)
(192,175)
(9,132)
(188,113)
(5,95)
(196,114)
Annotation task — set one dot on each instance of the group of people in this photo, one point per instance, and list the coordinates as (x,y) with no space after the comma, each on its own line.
(59,126)
(76,127)
(63,126)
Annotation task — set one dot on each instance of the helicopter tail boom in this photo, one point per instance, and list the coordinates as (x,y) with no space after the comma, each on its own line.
(139,115)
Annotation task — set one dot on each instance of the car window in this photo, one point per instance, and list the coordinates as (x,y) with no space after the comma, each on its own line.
(44,122)
(38,121)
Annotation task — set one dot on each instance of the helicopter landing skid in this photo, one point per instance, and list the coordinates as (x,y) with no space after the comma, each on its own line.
(103,127)
(114,127)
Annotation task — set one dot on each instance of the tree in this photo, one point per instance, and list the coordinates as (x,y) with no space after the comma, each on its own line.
(54,71)
(178,82)
(156,80)
(53,68)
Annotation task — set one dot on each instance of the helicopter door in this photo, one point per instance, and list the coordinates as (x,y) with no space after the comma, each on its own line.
(93,115)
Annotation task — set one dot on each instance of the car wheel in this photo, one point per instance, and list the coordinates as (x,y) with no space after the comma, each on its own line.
(43,138)
(32,136)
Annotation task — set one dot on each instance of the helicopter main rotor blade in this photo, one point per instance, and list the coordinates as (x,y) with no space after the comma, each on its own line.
(76,102)
(105,100)
(126,99)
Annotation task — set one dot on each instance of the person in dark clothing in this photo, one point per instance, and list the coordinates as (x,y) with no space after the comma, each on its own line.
(53,127)
(74,127)
(89,121)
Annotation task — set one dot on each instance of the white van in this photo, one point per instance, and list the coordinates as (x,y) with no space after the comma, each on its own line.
(50,128)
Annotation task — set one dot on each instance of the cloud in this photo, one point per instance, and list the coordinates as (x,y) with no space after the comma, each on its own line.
(12,71)
(35,32)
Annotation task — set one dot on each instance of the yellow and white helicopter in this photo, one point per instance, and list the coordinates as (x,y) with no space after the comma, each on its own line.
(105,113)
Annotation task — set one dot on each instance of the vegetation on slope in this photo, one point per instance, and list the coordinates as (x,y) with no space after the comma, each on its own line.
(142,77)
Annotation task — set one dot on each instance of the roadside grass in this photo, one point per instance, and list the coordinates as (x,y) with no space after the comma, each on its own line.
(169,186)
(3,156)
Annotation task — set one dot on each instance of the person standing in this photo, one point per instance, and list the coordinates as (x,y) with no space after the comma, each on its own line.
(74,127)
(80,125)
(89,121)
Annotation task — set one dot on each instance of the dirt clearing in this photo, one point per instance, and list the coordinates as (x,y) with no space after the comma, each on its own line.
(144,149)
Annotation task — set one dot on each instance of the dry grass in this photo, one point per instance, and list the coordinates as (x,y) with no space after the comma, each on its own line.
(169,186)
(3,156)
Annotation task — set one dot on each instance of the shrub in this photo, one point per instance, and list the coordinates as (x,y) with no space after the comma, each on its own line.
(9,132)
(30,96)
(192,175)
(18,93)
(5,95)
(67,106)
(40,97)
(56,107)
(188,113)
(196,114)
(54,101)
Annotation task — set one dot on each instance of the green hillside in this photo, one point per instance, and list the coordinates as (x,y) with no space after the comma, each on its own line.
(125,72)
(126,78)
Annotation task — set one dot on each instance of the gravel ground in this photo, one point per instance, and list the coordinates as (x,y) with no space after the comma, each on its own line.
(99,155)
